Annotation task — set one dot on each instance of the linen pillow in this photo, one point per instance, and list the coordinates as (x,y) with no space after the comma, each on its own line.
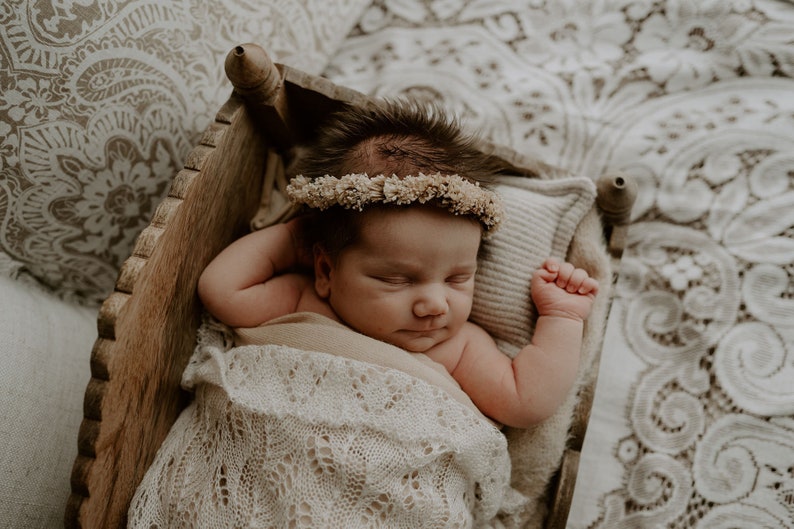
(46,348)
(540,219)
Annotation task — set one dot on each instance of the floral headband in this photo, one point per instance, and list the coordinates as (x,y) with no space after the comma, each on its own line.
(355,191)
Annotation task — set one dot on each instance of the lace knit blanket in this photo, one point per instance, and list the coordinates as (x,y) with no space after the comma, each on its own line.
(285,436)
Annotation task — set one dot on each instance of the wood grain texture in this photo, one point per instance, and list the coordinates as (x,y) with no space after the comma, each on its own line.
(562,491)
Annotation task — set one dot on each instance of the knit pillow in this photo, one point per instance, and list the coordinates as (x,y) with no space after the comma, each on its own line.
(540,219)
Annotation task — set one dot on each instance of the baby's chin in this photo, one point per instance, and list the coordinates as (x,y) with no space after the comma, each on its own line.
(417,342)
(415,348)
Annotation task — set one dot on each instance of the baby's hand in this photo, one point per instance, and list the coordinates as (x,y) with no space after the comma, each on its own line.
(561,289)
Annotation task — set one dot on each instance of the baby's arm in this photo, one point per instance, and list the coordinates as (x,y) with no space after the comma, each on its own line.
(241,286)
(531,387)
(563,296)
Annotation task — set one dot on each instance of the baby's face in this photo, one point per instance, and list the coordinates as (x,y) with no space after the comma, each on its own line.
(410,279)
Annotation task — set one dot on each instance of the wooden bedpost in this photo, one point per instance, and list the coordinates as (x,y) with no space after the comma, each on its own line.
(260,83)
(617,192)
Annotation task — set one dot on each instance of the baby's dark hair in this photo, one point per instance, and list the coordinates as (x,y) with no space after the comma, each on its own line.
(395,136)
(402,137)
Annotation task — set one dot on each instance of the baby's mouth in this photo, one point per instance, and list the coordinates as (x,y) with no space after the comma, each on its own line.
(429,327)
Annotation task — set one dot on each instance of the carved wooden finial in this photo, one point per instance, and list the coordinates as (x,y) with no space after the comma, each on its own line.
(252,73)
(617,192)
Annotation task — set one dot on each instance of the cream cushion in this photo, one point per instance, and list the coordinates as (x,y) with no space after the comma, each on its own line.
(45,345)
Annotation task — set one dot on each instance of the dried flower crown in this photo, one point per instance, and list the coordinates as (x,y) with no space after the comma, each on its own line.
(355,191)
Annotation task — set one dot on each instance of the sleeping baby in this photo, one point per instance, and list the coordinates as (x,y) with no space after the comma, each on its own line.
(394,255)
(357,392)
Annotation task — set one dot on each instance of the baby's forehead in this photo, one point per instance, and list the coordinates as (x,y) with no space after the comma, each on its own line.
(417,232)
(422,218)
(413,265)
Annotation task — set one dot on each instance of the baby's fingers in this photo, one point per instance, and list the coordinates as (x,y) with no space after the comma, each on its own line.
(567,277)
(565,274)
(588,286)
(548,272)
(576,280)
(552,264)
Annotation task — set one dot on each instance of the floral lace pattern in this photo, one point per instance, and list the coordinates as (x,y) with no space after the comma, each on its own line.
(694,413)
(102,101)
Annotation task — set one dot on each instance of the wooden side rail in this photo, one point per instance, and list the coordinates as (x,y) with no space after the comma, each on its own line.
(147,325)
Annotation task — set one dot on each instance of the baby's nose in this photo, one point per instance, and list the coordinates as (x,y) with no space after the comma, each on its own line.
(432,301)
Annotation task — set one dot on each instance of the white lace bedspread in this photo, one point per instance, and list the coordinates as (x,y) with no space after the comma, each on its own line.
(282,437)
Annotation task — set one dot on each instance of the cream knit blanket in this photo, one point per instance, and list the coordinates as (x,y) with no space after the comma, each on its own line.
(325,429)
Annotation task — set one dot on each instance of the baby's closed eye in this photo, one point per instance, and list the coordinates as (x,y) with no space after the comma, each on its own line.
(394,279)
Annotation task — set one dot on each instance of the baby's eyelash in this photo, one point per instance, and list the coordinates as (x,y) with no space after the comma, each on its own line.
(394,280)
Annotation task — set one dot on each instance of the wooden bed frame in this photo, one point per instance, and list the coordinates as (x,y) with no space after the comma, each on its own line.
(147,326)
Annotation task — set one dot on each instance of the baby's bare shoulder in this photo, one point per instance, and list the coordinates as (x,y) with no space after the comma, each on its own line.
(472,332)
(470,337)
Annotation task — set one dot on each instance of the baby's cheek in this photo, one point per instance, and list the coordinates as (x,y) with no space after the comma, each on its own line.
(464,303)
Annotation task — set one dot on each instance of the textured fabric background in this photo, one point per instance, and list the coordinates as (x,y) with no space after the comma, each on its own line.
(45,344)
(100,103)
(693,423)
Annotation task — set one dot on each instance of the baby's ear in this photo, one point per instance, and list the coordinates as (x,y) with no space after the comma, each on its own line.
(323,265)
